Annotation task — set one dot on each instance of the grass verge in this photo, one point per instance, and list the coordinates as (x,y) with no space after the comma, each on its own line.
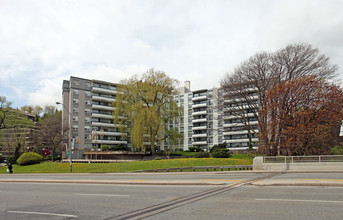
(55,167)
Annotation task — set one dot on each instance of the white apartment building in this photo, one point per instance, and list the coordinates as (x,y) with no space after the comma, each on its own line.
(88,106)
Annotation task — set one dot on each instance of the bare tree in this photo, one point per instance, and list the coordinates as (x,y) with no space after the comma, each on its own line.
(50,133)
(244,90)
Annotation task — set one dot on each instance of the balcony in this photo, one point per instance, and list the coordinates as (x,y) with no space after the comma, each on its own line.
(199,135)
(102,124)
(203,97)
(199,143)
(199,128)
(103,99)
(247,115)
(238,132)
(241,140)
(199,113)
(199,120)
(102,90)
(95,115)
(238,100)
(101,107)
(200,105)
(239,124)
(107,133)
(108,142)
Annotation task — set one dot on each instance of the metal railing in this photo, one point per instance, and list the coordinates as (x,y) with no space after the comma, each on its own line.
(207,168)
(303,159)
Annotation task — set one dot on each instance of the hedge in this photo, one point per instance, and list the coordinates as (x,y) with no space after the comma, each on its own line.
(29,158)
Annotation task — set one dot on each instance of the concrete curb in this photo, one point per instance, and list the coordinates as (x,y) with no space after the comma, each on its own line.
(125,182)
(297,184)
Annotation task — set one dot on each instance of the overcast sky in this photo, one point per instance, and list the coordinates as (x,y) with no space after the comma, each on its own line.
(45,42)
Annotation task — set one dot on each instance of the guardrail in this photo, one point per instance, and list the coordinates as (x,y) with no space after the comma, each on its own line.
(94,161)
(207,168)
(303,159)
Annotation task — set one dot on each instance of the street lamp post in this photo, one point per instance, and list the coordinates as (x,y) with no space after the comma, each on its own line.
(94,138)
(70,152)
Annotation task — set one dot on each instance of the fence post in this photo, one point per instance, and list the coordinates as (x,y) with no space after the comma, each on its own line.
(319,159)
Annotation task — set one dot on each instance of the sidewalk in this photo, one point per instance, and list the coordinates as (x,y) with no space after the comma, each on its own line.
(299,182)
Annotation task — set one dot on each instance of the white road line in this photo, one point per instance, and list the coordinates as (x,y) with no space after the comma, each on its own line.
(296,200)
(83,194)
(43,213)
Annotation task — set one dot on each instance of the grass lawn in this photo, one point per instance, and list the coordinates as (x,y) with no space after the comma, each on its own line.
(56,167)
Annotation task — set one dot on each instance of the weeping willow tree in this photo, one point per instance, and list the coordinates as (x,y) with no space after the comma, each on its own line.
(144,107)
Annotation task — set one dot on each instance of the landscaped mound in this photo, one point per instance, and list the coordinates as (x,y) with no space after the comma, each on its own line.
(29,158)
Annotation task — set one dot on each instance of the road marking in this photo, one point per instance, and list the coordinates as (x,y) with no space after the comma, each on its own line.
(223,180)
(296,200)
(84,194)
(43,213)
(324,179)
(138,180)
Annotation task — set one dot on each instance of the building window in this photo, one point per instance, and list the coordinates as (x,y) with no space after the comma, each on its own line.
(76,110)
(75,127)
(87,110)
(87,119)
(87,93)
(75,91)
(75,118)
(88,84)
(87,102)
(76,101)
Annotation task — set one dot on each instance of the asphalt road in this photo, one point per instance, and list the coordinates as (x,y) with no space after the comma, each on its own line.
(234,200)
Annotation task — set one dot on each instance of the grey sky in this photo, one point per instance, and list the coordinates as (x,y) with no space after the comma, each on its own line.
(43,42)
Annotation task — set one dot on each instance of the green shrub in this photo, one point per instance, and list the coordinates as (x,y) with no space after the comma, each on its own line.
(221,153)
(158,158)
(337,150)
(201,155)
(57,158)
(219,146)
(104,147)
(11,159)
(29,158)
(119,148)
(195,149)
(161,153)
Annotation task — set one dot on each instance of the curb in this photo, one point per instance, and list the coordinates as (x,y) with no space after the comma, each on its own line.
(297,184)
(113,182)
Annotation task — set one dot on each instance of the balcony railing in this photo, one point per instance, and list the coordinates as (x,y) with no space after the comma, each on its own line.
(104,99)
(103,107)
(102,90)
(203,97)
(200,105)
(303,159)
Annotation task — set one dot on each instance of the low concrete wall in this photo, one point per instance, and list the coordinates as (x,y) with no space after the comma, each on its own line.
(303,166)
